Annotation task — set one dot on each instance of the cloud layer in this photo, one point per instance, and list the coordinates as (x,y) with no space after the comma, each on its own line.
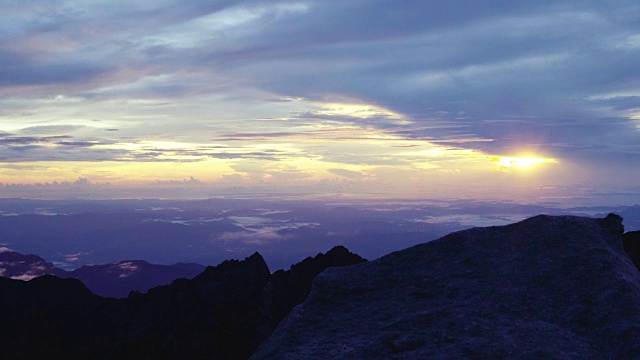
(385,95)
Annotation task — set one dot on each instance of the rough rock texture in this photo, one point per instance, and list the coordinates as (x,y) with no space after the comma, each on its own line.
(544,288)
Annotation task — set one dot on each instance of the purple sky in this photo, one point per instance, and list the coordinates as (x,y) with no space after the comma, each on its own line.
(527,101)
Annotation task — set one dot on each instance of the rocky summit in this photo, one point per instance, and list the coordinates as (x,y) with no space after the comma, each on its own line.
(549,287)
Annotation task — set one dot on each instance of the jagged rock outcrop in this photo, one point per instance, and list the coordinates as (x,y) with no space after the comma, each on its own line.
(223,313)
(544,288)
(286,289)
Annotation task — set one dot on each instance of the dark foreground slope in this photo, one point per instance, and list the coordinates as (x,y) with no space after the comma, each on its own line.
(223,313)
(544,288)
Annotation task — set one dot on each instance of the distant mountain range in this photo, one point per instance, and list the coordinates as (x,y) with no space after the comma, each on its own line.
(109,280)
(560,287)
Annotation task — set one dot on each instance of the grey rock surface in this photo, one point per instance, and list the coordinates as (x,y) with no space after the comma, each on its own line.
(544,288)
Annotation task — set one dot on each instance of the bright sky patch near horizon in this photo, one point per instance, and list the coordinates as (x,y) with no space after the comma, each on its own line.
(359,99)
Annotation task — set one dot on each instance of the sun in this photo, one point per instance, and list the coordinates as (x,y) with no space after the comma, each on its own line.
(520,162)
(507,162)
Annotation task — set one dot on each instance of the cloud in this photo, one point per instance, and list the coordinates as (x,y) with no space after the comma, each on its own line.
(69,148)
(620,103)
(256,238)
(248,82)
(24,277)
(28,140)
(188,182)
(231,179)
(73,257)
(50,129)
(344,233)
(517,61)
(347,173)
(127,268)
(80,182)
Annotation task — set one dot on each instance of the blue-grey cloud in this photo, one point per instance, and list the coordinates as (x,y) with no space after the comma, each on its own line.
(15,149)
(49,129)
(537,63)
(26,140)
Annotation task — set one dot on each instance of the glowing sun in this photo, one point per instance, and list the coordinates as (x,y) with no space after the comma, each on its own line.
(506,163)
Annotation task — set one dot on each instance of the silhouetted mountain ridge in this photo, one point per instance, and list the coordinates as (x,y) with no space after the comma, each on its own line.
(223,313)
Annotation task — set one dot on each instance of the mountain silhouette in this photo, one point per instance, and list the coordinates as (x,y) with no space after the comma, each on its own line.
(222,313)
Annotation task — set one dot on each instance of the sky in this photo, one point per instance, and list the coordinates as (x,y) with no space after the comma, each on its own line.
(528,101)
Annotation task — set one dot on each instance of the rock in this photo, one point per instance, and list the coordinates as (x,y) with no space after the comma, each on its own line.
(547,287)
(286,289)
(631,241)
(612,223)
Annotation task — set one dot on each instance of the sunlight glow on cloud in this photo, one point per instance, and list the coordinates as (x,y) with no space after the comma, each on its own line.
(359,111)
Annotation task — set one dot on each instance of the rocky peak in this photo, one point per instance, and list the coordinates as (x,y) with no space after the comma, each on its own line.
(612,224)
(548,287)
(286,289)
(255,262)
